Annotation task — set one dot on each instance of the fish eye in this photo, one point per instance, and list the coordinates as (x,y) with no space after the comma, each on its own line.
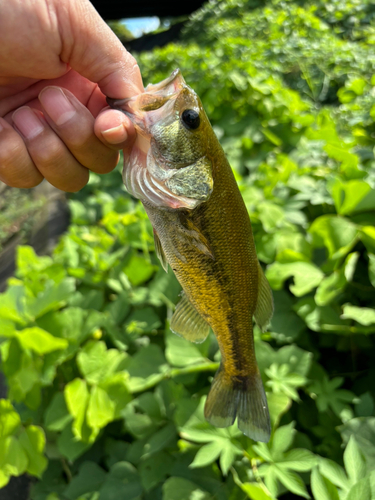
(190,118)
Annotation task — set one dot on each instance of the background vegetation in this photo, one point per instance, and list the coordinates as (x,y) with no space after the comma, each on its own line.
(104,402)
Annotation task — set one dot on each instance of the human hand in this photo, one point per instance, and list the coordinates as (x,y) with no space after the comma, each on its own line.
(58,61)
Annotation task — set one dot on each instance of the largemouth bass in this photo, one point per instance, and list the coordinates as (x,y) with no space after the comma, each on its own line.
(179,171)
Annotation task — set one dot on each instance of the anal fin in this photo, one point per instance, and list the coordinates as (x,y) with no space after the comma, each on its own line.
(188,323)
(160,252)
(264,308)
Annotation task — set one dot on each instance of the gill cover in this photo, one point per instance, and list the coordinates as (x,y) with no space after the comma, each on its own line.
(167,166)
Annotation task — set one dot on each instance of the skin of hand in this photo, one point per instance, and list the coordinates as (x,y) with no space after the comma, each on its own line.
(58,61)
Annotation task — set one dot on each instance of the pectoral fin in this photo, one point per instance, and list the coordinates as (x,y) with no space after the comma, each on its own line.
(160,252)
(188,323)
(264,308)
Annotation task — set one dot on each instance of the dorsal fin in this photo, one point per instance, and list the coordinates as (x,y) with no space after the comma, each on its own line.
(188,323)
(264,308)
(160,252)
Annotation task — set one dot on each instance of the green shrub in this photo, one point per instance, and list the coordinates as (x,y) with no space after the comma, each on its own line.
(97,382)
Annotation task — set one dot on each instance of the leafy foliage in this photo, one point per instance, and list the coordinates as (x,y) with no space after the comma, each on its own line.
(86,348)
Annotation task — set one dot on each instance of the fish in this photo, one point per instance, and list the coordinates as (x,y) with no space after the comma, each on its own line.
(202,230)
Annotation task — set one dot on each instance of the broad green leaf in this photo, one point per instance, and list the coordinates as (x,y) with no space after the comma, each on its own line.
(145,367)
(155,469)
(299,460)
(9,418)
(96,362)
(278,404)
(306,276)
(363,315)
(353,196)
(13,458)
(322,488)
(337,234)
(208,453)
(361,490)
(256,491)
(51,298)
(363,430)
(89,479)
(69,446)
(292,482)
(77,398)
(181,352)
(282,439)
(40,341)
(33,442)
(57,416)
(100,410)
(330,287)
(355,465)
(178,488)
(142,321)
(123,481)
(139,270)
(334,473)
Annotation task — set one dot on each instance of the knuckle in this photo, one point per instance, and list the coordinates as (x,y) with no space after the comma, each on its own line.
(51,152)
(11,151)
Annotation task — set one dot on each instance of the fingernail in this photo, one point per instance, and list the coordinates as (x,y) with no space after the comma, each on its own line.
(115,135)
(27,122)
(57,105)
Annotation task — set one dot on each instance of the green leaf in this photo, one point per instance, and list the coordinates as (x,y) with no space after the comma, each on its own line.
(40,341)
(299,460)
(207,454)
(51,298)
(337,234)
(57,416)
(322,488)
(155,469)
(145,367)
(89,479)
(355,465)
(363,315)
(333,472)
(292,482)
(101,409)
(13,458)
(363,430)
(69,446)
(9,418)
(178,488)
(282,439)
(306,276)
(256,491)
(139,270)
(76,398)
(361,490)
(96,362)
(353,196)
(181,352)
(33,442)
(123,481)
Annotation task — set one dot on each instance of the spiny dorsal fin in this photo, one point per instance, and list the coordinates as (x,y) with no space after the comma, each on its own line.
(160,252)
(264,309)
(188,323)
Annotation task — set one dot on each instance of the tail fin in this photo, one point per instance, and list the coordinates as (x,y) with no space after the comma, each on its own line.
(241,397)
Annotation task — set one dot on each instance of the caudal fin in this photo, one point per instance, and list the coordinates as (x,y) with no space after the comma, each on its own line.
(241,397)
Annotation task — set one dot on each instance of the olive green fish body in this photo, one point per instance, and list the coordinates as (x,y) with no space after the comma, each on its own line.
(179,171)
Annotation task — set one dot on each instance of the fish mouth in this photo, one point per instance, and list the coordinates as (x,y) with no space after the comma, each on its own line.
(152,99)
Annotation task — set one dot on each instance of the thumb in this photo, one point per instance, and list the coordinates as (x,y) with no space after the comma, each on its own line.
(91,48)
